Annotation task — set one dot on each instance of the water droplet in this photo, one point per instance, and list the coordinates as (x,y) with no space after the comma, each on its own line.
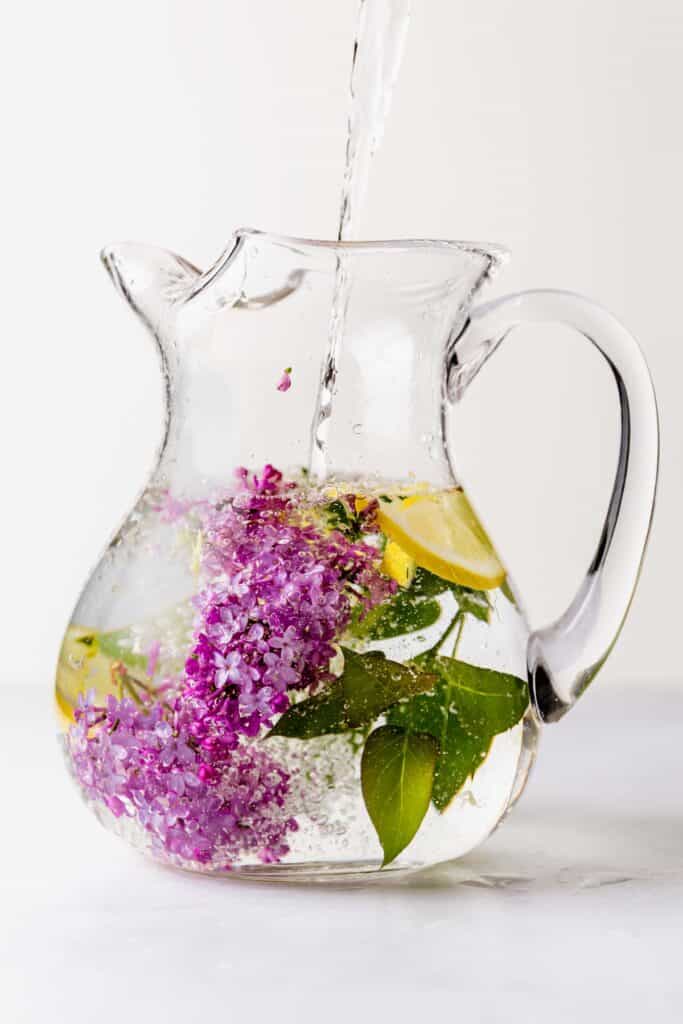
(357,428)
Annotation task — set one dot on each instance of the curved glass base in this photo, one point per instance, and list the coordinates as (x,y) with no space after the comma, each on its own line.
(321,872)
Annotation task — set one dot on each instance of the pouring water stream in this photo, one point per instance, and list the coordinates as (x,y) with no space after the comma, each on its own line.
(377,54)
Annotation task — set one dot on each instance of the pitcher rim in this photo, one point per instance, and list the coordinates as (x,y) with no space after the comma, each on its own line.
(493,250)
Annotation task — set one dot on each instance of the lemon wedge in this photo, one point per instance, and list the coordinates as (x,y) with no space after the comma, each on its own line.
(441,532)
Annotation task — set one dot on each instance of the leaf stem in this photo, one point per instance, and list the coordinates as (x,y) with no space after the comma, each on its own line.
(458,618)
(138,682)
(126,682)
(457,636)
(133,692)
(118,674)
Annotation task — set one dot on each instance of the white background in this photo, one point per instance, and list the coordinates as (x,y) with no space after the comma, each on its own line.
(553,128)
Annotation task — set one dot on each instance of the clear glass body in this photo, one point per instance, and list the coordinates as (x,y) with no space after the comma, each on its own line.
(301,653)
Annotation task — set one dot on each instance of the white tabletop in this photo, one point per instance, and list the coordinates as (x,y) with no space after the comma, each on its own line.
(571,912)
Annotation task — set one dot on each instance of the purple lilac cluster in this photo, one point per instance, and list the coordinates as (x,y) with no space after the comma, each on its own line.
(282,591)
(141,762)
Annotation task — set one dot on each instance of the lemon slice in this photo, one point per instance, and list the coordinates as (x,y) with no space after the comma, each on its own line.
(442,534)
(81,667)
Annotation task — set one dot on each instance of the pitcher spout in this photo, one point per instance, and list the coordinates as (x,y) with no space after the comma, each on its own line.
(152,280)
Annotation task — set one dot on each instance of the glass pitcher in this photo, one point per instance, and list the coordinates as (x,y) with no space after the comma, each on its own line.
(301,654)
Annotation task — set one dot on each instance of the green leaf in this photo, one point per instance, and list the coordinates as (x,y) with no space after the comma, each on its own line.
(486,701)
(426,584)
(473,602)
(460,752)
(506,589)
(343,518)
(416,608)
(403,614)
(114,645)
(369,685)
(467,709)
(338,513)
(319,715)
(372,683)
(397,774)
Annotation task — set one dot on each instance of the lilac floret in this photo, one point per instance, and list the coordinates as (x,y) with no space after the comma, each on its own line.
(284,595)
(139,766)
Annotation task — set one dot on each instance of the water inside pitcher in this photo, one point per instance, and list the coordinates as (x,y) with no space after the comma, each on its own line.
(301,654)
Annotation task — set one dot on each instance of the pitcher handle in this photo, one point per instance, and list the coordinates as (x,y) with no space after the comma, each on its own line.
(564,657)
